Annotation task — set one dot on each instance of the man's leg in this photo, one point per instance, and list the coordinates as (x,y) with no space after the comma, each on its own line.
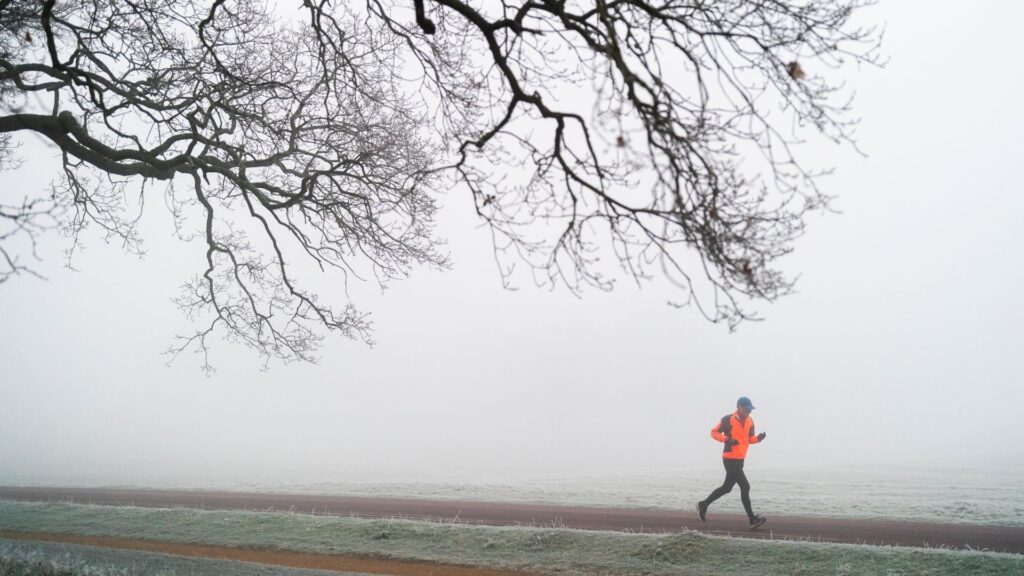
(741,479)
(730,481)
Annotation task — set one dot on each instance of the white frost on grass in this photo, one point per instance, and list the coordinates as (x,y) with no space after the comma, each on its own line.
(44,558)
(533,549)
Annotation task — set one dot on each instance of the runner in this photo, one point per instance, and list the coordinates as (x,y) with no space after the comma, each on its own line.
(736,430)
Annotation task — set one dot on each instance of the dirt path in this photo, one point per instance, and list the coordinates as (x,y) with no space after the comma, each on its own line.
(923,534)
(338,563)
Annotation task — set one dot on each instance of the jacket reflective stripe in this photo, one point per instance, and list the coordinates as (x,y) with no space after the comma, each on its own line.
(742,432)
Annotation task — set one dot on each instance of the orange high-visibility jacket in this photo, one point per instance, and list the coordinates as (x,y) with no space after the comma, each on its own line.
(741,432)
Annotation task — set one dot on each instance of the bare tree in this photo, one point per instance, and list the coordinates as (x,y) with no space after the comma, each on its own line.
(653,126)
(290,140)
(664,132)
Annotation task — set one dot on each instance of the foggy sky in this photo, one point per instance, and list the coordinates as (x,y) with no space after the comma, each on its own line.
(903,343)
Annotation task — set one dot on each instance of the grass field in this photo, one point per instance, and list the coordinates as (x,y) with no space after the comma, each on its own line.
(53,559)
(541,550)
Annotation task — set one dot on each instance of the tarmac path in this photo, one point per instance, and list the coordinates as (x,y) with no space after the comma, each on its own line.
(879,532)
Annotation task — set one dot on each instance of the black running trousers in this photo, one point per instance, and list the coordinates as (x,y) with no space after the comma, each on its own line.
(733,475)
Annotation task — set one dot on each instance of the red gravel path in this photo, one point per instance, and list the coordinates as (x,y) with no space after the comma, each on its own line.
(925,534)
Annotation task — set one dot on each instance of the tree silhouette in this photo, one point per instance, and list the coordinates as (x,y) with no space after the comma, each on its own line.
(662,133)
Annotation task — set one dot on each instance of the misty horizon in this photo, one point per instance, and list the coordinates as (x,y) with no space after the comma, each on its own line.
(901,345)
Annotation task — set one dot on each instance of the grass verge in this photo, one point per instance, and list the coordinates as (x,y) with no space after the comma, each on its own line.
(539,550)
(18,558)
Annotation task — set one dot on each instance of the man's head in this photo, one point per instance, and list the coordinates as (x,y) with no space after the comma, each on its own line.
(744,406)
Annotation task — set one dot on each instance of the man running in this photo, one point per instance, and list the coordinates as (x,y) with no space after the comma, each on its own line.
(736,430)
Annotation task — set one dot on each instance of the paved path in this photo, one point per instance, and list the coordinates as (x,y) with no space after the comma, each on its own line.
(925,534)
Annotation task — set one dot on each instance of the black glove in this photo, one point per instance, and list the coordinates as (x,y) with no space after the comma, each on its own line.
(760,437)
(729,443)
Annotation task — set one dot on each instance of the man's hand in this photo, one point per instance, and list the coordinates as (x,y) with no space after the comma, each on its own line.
(760,437)
(730,442)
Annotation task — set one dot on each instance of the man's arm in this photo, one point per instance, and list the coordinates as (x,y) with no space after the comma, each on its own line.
(716,433)
(755,438)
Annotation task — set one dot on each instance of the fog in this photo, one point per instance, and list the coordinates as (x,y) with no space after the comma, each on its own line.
(903,344)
